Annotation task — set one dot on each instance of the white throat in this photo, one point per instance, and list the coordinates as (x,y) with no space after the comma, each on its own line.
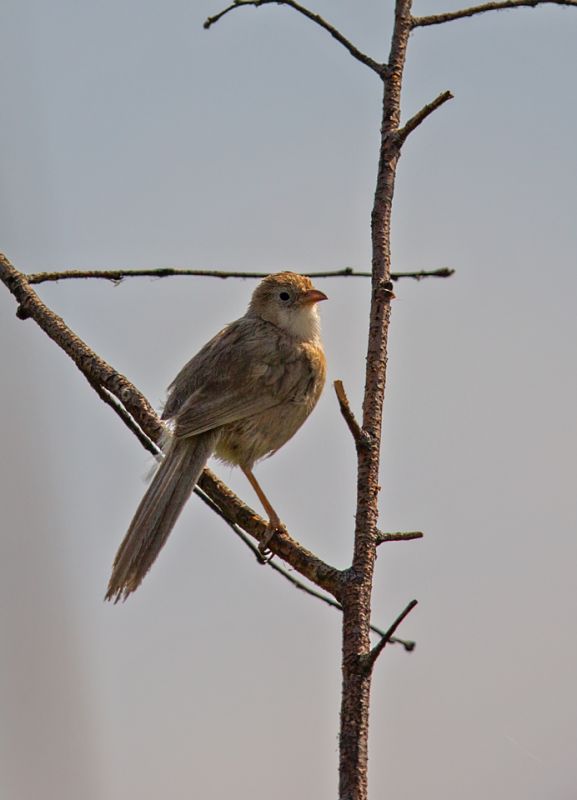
(302,322)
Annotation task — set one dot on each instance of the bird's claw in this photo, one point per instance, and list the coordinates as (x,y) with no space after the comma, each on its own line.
(274,526)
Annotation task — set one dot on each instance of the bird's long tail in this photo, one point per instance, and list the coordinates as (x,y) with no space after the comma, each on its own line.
(158,511)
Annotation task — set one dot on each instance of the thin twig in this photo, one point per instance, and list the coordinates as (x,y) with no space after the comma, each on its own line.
(442,272)
(357,432)
(380,69)
(398,536)
(450,16)
(118,275)
(422,115)
(232,525)
(282,544)
(368,661)
(407,644)
(93,367)
(116,405)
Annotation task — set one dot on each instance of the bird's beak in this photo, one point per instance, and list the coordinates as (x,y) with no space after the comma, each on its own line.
(313,296)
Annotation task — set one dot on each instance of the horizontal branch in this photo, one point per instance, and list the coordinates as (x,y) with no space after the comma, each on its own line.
(98,372)
(380,69)
(421,116)
(450,16)
(368,661)
(118,275)
(442,272)
(398,536)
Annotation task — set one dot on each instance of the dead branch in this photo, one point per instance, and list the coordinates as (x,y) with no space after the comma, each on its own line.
(119,409)
(356,592)
(450,16)
(398,536)
(443,272)
(118,275)
(422,115)
(357,432)
(357,54)
(94,368)
(368,661)
(325,598)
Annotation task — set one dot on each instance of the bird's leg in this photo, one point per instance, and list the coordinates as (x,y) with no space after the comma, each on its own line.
(274,522)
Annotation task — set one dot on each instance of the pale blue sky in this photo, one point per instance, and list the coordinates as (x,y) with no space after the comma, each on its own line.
(131,137)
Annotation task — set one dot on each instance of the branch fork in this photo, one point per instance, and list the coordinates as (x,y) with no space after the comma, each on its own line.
(368,661)
(380,69)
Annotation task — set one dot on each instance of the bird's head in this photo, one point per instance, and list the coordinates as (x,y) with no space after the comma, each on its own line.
(289,301)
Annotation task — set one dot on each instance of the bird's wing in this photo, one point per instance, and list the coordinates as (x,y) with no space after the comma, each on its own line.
(244,370)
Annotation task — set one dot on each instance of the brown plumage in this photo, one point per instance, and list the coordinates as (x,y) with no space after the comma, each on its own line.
(241,397)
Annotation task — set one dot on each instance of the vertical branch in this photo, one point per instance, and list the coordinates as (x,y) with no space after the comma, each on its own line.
(356,594)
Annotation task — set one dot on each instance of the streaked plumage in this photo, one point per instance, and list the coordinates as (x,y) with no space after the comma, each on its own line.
(241,397)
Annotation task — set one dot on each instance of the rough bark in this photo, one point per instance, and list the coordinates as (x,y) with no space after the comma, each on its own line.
(356,593)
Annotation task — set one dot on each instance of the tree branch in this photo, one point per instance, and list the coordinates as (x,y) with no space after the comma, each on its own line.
(118,275)
(357,432)
(368,661)
(380,69)
(409,646)
(282,544)
(450,16)
(442,272)
(421,116)
(119,409)
(94,368)
(398,536)
(99,373)
(357,590)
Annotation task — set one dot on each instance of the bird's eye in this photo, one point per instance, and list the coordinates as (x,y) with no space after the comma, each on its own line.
(284,296)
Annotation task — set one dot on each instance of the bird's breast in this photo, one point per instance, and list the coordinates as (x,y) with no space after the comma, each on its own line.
(248,440)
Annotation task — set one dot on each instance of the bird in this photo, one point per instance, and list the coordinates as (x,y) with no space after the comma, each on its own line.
(240,398)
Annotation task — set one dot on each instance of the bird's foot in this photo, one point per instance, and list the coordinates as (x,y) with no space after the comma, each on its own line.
(274,526)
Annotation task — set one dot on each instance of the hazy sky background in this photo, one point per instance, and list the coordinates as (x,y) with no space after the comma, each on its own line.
(131,137)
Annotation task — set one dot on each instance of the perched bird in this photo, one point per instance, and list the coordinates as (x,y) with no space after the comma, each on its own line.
(241,397)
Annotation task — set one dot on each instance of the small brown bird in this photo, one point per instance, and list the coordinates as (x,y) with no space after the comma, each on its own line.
(244,395)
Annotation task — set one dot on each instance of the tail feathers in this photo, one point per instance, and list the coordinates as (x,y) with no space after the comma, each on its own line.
(158,511)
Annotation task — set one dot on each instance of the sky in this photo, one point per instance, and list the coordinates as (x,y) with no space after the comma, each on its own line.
(131,137)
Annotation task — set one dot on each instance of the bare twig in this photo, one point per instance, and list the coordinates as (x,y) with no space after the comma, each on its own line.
(282,544)
(357,432)
(398,536)
(422,115)
(450,16)
(442,272)
(262,559)
(380,69)
(94,368)
(368,661)
(119,409)
(118,275)
(325,598)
